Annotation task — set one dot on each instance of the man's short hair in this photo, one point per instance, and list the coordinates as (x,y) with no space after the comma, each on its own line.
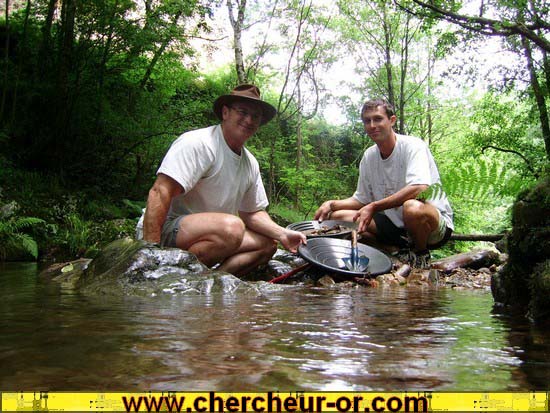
(373,104)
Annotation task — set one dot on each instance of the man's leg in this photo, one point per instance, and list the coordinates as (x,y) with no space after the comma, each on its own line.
(254,251)
(222,238)
(211,236)
(420,220)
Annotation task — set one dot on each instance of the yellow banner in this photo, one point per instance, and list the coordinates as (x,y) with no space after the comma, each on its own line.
(274,402)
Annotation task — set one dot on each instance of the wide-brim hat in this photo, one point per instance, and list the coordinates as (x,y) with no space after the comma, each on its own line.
(248,93)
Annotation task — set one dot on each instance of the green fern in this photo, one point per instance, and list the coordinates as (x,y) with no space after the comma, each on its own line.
(13,239)
(23,242)
(434,191)
(23,223)
(483,183)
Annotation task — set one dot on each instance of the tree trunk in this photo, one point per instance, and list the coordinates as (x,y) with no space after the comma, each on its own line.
(388,62)
(158,53)
(138,47)
(271,176)
(403,76)
(6,61)
(298,139)
(68,15)
(429,94)
(103,66)
(22,57)
(546,67)
(237,24)
(539,95)
(46,51)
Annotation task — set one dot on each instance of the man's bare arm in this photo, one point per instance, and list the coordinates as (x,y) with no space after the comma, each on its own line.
(365,214)
(332,205)
(261,222)
(158,204)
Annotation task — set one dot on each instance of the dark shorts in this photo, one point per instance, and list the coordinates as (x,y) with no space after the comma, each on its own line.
(170,231)
(388,233)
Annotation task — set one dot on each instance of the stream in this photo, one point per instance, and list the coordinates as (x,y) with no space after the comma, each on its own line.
(284,338)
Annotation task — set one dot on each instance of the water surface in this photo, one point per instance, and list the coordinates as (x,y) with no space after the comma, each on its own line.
(280,338)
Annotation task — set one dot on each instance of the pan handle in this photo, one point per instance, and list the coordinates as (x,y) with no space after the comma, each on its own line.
(290,273)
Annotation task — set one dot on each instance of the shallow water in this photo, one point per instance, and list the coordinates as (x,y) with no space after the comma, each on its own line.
(283,338)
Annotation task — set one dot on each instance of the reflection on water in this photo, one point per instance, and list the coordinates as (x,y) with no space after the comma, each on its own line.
(288,338)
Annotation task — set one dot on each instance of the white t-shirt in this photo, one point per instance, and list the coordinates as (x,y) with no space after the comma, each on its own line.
(213,177)
(410,163)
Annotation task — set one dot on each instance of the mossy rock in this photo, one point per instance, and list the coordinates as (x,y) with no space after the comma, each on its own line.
(130,267)
(524,283)
(539,306)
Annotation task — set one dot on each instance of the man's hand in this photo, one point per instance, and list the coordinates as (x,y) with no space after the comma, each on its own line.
(324,211)
(364,217)
(291,240)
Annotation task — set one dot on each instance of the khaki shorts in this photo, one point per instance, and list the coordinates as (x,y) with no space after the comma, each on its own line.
(436,237)
(169,232)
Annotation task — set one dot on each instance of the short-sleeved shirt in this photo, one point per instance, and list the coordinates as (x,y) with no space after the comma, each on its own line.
(214,178)
(410,163)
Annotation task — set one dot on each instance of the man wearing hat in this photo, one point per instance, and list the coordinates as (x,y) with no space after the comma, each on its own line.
(209,198)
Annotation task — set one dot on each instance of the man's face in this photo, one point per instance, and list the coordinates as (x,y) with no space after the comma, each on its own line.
(241,119)
(377,124)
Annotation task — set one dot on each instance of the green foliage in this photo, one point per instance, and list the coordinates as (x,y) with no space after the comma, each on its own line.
(102,100)
(482,183)
(82,238)
(76,235)
(502,123)
(481,195)
(134,208)
(15,242)
(284,215)
(86,122)
(83,226)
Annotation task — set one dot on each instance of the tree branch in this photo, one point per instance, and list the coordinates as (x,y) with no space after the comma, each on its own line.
(488,26)
(527,162)
(477,237)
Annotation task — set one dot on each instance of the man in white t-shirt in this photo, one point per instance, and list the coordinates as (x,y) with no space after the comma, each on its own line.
(392,173)
(208,197)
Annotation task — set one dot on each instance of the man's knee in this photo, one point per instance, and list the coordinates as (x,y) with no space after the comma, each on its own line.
(417,213)
(231,231)
(343,215)
(414,208)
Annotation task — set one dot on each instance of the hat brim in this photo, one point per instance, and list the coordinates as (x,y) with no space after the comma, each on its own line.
(268,111)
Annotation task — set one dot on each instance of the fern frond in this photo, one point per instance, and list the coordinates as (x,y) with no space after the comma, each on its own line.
(12,239)
(18,242)
(434,191)
(26,222)
(481,182)
(28,244)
